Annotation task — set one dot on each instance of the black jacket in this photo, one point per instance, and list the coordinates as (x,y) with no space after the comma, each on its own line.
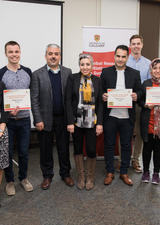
(132,81)
(72,97)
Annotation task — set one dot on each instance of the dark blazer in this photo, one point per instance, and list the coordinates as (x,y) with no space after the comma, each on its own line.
(132,81)
(72,97)
(41,95)
(145,112)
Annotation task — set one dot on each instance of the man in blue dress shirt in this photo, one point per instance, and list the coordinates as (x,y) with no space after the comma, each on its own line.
(138,62)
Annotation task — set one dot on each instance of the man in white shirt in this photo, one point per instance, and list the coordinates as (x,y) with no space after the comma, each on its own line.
(119,119)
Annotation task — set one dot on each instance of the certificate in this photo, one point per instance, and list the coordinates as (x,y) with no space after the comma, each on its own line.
(119,98)
(152,95)
(16,97)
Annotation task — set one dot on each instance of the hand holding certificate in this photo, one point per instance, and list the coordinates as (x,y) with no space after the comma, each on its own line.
(14,98)
(119,98)
(152,95)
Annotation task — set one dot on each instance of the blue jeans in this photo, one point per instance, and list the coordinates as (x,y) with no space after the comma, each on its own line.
(112,126)
(21,130)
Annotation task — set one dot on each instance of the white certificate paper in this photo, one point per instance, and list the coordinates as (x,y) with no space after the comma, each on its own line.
(152,95)
(119,98)
(16,97)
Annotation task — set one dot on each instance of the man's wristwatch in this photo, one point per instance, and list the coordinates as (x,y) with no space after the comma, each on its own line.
(1,131)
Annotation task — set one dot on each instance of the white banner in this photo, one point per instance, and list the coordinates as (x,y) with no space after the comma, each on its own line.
(101,42)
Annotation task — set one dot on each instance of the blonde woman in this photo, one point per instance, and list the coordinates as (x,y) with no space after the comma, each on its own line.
(84,118)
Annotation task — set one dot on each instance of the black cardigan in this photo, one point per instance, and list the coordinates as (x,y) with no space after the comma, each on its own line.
(72,98)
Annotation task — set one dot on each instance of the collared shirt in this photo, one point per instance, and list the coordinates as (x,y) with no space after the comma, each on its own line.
(120,84)
(54,71)
(142,64)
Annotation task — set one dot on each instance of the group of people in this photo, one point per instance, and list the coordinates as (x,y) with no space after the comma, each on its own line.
(64,103)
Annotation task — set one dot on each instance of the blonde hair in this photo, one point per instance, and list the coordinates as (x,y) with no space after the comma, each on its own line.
(85,56)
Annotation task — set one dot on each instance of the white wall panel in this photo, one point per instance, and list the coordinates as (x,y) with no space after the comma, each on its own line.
(120,13)
(33,26)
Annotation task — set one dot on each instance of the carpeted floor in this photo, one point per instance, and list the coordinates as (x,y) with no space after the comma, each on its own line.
(117,204)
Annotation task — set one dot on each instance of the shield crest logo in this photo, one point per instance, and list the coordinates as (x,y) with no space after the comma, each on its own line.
(96,37)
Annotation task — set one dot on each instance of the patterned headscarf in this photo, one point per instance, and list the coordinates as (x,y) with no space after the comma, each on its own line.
(154,63)
(156,107)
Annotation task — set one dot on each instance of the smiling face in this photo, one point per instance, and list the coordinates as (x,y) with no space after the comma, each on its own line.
(85,66)
(120,57)
(53,57)
(13,54)
(155,71)
(136,46)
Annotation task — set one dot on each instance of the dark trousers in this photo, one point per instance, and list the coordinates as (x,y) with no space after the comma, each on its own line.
(21,130)
(112,126)
(46,149)
(90,141)
(153,144)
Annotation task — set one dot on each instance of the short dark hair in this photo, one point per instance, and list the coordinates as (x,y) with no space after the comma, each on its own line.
(135,36)
(123,47)
(10,43)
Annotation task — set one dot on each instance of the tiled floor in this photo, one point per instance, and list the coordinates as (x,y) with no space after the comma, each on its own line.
(117,204)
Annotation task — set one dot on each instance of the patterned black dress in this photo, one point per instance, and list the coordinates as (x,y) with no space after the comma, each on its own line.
(4,154)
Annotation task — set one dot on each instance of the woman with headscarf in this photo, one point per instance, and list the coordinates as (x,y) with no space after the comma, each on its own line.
(84,117)
(150,127)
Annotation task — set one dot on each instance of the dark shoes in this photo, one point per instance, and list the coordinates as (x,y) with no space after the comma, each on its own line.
(155,178)
(68,181)
(46,183)
(108,179)
(146,177)
(126,179)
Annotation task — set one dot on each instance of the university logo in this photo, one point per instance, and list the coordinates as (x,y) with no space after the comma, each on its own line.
(96,43)
(96,37)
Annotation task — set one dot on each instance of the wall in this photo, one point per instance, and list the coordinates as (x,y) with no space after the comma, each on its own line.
(76,15)
(108,13)
(149,28)
(120,13)
(159,41)
(79,13)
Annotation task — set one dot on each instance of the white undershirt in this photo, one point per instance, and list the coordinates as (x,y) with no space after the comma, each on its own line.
(120,113)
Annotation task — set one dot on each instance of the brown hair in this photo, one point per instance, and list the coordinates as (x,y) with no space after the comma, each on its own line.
(10,43)
(136,36)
